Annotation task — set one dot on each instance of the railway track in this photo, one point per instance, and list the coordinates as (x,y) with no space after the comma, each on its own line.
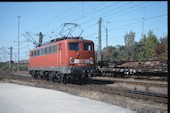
(136,82)
(160,98)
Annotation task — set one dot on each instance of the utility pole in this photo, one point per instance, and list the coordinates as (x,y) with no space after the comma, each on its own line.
(143,19)
(40,39)
(15,57)
(99,40)
(10,58)
(142,27)
(18,42)
(106,38)
(11,53)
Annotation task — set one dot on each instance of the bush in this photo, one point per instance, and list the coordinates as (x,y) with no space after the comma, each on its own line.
(14,67)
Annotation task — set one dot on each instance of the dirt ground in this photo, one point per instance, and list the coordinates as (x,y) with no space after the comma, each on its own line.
(119,83)
(138,105)
(154,89)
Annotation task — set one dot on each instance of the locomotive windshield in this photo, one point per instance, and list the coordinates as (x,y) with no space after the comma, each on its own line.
(88,46)
(74,46)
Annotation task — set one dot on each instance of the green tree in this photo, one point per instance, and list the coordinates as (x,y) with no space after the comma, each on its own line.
(135,51)
(129,44)
(150,46)
(162,49)
(122,54)
(141,54)
(109,53)
(147,47)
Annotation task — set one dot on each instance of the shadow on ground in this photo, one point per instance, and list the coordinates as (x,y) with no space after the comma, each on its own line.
(100,82)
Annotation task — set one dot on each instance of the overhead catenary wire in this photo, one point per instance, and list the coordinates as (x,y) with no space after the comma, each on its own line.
(98,11)
(93,12)
(114,13)
(124,9)
(68,15)
(90,20)
(54,18)
(93,20)
(136,22)
(119,36)
(74,14)
(105,7)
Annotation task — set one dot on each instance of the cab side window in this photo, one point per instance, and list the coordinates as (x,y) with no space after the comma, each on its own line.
(88,46)
(74,46)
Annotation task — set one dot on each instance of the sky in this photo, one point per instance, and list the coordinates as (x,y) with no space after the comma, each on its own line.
(49,17)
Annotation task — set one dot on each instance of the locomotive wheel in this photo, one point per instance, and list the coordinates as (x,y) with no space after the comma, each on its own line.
(39,76)
(52,77)
(35,75)
(55,77)
(46,76)
(84,80)
(63,79)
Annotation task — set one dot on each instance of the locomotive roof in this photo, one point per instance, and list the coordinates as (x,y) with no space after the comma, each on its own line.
(59,39)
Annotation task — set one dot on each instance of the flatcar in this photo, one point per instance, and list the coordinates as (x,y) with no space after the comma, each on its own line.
(63,59)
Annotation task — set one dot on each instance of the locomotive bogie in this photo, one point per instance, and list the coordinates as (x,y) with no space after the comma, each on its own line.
(60,77)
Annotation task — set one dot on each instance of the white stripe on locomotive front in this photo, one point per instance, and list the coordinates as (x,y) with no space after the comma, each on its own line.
(86,61)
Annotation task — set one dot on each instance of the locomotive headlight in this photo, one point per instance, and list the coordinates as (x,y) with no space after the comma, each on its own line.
(71,60)
(91,60)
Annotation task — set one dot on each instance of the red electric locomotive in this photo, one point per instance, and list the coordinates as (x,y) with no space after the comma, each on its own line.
(63,59)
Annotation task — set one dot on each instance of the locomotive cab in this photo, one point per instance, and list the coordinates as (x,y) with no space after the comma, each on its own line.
(81,58)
